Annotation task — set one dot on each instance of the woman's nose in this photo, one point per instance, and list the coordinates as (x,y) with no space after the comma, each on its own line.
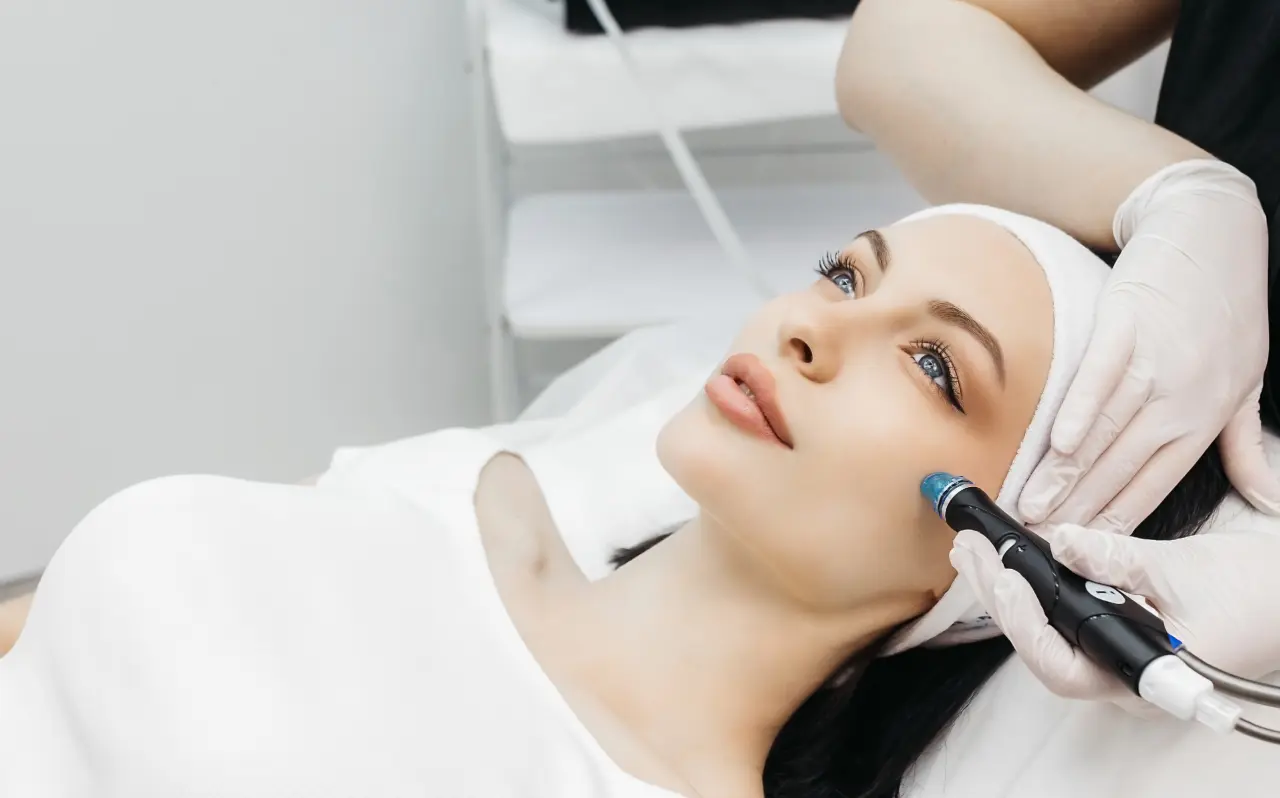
(810,338)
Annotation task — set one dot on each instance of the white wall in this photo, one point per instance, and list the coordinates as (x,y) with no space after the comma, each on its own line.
(232,236)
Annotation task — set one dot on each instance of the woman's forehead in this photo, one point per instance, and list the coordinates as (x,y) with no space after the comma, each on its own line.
(969,261)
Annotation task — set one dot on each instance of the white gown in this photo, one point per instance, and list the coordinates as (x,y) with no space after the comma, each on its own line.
(201,636)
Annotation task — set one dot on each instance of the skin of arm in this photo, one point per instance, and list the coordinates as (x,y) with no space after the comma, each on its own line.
(13,616)
(986,101)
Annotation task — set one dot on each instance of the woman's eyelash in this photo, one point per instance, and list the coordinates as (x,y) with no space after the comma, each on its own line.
(953,393)
(832,261)
(841,270)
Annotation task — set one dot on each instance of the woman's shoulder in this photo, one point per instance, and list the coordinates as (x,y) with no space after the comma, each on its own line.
(519,534)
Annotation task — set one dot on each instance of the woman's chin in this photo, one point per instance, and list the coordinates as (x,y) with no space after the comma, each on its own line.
(717,465)
(680,446)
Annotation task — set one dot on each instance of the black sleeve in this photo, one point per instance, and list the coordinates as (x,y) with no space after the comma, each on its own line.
(1221,91)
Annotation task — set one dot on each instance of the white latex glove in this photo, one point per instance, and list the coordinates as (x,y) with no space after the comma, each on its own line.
(1216,591)
(1176,357)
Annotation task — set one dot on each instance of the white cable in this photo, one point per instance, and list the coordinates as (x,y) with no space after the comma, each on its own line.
(690,173)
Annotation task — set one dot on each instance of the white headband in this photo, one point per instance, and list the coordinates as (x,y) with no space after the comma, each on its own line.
(1076,277)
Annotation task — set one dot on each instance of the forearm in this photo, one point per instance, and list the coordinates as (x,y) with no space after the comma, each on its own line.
(970,111)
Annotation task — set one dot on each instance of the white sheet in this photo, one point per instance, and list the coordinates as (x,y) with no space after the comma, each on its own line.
(631,370)
(550,86)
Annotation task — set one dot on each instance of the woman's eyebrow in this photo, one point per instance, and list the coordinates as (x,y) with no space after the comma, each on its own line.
(951,314)
(879,247)
(941,310)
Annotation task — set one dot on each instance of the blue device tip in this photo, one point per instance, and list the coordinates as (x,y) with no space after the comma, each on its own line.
(933,486)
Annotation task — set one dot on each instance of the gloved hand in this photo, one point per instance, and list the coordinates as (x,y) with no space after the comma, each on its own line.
(1217,592)
(1176,357)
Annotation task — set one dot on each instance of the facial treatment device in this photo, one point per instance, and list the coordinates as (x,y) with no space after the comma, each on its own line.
(1114,630)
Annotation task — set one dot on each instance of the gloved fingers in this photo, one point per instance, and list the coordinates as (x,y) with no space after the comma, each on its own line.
(1246,461)
(1012,604)
(976,560)
(1105,362)
(1058,473)
(1114,471)
(1146,490)
(1062,668)
(1128,563)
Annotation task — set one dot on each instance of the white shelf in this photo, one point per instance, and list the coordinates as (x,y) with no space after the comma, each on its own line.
(601,264)
(551,86)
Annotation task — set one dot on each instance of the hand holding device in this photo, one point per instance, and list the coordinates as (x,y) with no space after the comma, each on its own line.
(1085,637)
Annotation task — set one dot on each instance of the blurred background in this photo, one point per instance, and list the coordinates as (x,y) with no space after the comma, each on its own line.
(236,235)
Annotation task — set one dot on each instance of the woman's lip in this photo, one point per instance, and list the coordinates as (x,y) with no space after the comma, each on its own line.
(751,372)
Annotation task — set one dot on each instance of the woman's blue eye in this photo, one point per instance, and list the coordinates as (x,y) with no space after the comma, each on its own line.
(840,271)
(934,360)
(934,369)
(845,282)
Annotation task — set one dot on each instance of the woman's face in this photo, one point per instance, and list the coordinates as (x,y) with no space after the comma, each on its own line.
(922,347)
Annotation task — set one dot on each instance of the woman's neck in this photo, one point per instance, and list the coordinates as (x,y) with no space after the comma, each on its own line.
(702,657)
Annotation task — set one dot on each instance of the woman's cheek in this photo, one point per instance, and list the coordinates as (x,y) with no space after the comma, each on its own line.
(885,446)
(879,421)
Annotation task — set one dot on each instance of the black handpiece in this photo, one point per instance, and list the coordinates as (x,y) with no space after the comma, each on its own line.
(1112,629)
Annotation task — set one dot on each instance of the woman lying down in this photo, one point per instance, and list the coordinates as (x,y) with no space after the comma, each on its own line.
(801,636)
